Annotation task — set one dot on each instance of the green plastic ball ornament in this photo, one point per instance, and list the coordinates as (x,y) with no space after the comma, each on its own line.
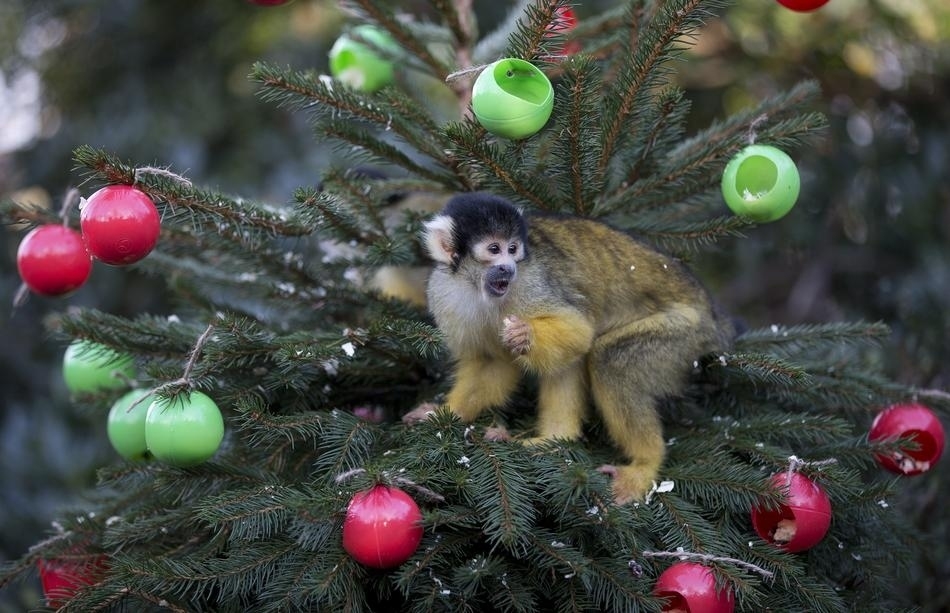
(512,98)
(125,425)
(184,430)
(761,183)
(92,367)
(360,65)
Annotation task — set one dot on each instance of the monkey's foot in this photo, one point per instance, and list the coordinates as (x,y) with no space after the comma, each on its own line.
(630,483)
(420,413)
(497,433)
(516,335)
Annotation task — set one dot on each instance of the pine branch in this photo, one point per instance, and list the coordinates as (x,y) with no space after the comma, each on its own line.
(507,510)
(679,235)
(812,337)
(658,42)
(327,100)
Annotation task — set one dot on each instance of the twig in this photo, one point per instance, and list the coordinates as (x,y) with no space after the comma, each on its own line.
(161,172)
(794,463)
(683,555)
(755,124)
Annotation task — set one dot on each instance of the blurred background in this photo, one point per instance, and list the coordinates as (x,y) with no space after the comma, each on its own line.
(165,83)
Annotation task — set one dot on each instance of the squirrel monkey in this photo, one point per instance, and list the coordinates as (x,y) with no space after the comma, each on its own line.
(600,318)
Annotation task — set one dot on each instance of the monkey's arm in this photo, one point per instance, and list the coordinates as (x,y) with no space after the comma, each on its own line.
(547,343)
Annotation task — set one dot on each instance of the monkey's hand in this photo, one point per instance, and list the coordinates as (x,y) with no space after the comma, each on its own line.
(516,335)
(420,413)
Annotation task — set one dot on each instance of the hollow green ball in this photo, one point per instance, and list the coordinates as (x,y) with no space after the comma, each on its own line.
(92,367)
(358,64)
(125,425)
(512,98)
(761,183)
(184,430)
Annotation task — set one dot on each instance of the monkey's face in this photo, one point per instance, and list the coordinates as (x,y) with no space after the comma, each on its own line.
(498,258)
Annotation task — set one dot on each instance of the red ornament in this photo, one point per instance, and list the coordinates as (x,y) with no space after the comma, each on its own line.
(564,22)
(802,521)
(910,421)
(691,588)
(383,527)
(61,579)
(803,5)
(52,260)
(120,224)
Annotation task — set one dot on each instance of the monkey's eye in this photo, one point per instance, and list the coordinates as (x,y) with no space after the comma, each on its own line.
(494,248)
(513,248)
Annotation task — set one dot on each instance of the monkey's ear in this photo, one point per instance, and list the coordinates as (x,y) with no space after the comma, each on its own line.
(438,238)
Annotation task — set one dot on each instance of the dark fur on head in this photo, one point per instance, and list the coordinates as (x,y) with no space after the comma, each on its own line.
(476,215)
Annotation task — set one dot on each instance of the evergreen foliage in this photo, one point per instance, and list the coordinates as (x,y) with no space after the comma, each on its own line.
(299,339)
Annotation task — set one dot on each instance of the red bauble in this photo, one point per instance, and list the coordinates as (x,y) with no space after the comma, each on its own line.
(383,527)
(120,224)
(53,260)
(691,587)
(61,579)
(803,5)
(910,421)
(564,22)
(802,521)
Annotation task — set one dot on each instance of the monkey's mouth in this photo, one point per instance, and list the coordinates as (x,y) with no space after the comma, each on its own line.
(498,287)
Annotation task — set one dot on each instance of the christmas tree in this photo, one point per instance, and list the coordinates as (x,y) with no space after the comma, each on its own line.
(303,323)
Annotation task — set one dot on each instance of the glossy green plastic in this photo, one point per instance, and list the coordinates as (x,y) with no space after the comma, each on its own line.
(512,98)
(184,430)
(358,64)
(761,183)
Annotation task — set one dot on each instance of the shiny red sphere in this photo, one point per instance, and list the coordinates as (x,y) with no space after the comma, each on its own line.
(803,520)
(911,421)
(383,527)
(52,260)
(120,224)
(565,20)
(803,5)
(61,579)
(689,586)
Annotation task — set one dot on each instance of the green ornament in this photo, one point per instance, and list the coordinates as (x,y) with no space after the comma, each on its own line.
(184,430)
(358,64)
(92,367)
(761,183)
(512,98)
(125,425)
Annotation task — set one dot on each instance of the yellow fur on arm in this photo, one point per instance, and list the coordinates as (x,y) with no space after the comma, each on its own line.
(481,385)
(557,341)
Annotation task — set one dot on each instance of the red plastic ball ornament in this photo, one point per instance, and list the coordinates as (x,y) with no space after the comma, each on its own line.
(803,5)
(52,260)
(120,224)
(383,527)
(802,521)
(691,588)
(564,22)
(909,421)
(61,579)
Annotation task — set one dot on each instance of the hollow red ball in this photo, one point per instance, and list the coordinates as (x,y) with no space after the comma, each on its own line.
(383,527)
(62,578)
(52,260)
(688,586)
(803,5)
(802,521)
(910,421)
(120,224)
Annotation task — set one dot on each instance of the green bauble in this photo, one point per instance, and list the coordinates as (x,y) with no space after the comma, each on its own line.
(358,64)
(91,367)
(761,183)
(126,425)
(184,430)
(512,98)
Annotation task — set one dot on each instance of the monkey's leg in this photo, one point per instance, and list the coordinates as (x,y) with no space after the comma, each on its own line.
(562,404)
(630,368)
